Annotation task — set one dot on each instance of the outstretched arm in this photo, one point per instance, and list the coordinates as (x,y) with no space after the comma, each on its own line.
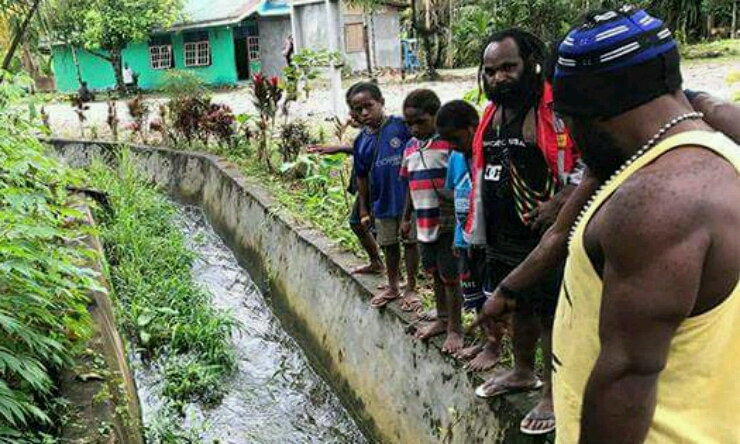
(720,114)
(549,253)
(645,298)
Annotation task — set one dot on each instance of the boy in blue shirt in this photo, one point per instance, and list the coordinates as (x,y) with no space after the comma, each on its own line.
(378,154)
(457,122)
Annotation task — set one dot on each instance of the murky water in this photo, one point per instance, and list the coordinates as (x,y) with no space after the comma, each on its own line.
(274,395)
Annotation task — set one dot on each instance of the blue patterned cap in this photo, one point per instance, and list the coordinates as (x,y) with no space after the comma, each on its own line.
(616,60)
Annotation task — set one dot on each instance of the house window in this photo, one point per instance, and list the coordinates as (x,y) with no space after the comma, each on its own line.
(197,49)
(160,57)
(160,52)
(354,37)
(253,45)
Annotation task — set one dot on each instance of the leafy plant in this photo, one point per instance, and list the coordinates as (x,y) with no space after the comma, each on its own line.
(44,278)
(139,112)
(294,136)
(266,95)
(303,70)
(220,123)
(80,108)
(112,119)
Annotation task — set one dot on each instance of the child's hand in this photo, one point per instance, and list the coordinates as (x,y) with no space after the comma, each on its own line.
(366,220)
(405,229)
(317,149)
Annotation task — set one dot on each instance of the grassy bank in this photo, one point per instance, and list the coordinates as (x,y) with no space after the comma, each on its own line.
(169,317)
(718,49)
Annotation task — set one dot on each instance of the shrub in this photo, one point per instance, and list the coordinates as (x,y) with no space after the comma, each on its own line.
(293,137)
(43,276)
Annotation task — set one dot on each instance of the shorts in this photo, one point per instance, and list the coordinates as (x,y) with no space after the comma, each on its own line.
(438,257)
(542,299)
(471,266)
(388,232)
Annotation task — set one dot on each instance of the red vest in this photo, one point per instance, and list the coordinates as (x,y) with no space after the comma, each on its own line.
(552,138)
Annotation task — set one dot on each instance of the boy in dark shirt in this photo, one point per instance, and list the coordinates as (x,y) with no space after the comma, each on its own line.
(378,152)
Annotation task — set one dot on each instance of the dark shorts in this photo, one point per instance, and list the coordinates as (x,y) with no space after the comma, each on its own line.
(472,271)
(542,299)
(438,257)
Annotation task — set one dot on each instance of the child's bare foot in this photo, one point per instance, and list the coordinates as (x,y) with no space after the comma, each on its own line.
(384,298)
(453,343)
(431,330)
(410,301)
(469,352)
(485,360)
(371,268)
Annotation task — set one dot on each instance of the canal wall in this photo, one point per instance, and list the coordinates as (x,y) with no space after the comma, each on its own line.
(399,389)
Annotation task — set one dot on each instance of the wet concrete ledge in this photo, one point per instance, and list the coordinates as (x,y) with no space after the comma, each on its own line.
(400,390)
(103,404)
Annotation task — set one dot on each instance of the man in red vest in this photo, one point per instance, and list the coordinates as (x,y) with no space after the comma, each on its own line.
(522,156)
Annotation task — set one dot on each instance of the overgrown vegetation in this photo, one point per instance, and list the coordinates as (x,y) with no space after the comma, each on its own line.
(170,318)
(44,276)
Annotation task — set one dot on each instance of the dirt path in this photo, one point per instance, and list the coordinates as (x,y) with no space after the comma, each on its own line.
(707,76)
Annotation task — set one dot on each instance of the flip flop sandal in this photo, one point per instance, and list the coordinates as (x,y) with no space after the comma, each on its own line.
(531,416)
(480,391)
(411,304)
(381,301)
(367,270)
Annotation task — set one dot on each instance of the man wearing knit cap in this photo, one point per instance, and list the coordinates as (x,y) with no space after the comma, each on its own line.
(647,328)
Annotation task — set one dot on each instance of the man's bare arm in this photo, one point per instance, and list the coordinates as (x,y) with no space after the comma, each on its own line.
(720,114)
(645,298)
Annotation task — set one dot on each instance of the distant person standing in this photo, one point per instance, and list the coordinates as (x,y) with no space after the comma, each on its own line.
(128,77)
(288,49)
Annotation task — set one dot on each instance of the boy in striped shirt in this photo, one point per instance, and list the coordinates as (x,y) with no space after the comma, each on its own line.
(425,168)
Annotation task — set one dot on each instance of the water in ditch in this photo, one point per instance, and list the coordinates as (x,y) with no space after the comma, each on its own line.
(274,396)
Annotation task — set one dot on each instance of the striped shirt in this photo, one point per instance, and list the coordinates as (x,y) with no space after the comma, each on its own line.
(425,167)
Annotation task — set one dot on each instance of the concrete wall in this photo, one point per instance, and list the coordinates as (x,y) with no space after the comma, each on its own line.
(401,390)
(273,32)
(387,36)
(384,38)
(313,30)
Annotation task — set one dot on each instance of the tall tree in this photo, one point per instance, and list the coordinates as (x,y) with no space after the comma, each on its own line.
(17,16)
(105,27)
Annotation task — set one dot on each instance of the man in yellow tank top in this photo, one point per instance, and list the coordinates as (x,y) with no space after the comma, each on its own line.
(648,323)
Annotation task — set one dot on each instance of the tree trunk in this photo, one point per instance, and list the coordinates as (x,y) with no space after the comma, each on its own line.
(734,19)
(450,44)
(366,43)
(426,41)
(76,62)
(19,35)
(414,18)
(115,60)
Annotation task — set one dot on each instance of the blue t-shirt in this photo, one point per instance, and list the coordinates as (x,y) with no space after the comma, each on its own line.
(458,181)
(387,188)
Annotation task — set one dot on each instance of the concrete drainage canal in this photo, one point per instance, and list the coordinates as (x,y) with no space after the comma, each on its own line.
(274,396)
(367,381)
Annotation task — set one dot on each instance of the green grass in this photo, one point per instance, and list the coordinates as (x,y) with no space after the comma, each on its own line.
(168,316)
(711,50)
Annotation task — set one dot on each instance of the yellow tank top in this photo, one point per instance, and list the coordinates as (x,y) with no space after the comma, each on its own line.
(698,399)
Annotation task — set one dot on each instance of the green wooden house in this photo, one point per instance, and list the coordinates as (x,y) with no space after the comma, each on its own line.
(221,41)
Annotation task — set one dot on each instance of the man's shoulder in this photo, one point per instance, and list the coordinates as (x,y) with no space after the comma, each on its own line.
(674,194)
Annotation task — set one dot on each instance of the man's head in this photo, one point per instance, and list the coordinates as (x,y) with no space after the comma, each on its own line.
(84,84)
(125,65)
(457,122)
(608,66)
(366,104)
(512,67)
(419,109)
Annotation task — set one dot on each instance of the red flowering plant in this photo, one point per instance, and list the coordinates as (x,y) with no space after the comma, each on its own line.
(266,96)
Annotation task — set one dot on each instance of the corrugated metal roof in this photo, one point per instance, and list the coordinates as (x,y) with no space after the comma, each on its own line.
(199,13)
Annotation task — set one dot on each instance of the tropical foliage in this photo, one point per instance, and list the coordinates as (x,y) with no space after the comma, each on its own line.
(44,274)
